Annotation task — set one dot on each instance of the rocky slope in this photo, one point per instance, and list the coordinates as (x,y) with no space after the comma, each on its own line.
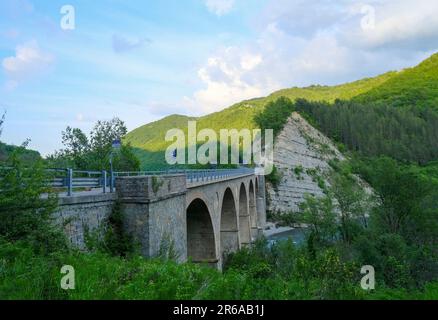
(301,156)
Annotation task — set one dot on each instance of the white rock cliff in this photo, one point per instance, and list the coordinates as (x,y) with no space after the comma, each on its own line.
(301,156)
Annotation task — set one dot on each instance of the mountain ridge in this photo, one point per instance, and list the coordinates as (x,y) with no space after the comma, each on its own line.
(148,140)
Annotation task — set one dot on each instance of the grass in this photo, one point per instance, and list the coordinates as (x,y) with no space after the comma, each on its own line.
(282,272)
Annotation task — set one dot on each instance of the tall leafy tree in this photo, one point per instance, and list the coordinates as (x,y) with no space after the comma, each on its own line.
(94,152)
(25,214)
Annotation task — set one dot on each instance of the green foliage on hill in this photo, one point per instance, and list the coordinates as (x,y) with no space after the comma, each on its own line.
(6,151)
(405,134)
(148,140)
(416,86)
(274,116)
(331,93)
(149,143)
(397,120)
(28,156)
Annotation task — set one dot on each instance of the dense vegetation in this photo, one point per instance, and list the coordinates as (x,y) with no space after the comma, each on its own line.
(27,156)
(412,87)
(405,134)
(391,136)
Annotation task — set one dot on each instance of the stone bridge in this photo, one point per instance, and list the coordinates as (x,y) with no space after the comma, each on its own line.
(201,218)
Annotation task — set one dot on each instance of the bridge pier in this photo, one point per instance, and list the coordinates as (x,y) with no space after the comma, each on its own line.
(154,211)
(261,202)
(245,234)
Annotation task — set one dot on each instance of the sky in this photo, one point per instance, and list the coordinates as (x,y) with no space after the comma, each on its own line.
(141,60)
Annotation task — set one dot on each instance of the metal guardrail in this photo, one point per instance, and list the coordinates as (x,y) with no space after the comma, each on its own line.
(70,179)
(193,175)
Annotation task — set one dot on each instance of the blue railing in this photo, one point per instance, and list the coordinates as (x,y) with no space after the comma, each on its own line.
(193,175)
(106,180)
(69,179)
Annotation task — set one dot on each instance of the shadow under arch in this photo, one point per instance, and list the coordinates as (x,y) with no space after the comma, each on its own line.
(229,231)
(200,234)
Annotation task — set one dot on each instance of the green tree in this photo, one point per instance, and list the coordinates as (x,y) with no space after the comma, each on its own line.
(319,214)
(27,204)
(101,139)
(275,115)
(400,192)
(77,147)
(353,203)
(94,152)
(125,159)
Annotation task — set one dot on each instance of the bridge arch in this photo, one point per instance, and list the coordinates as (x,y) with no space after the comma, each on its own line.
(229,232)
(200,233)
(244,223)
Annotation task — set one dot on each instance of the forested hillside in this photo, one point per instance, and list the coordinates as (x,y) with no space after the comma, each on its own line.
(149,139)
(28,156)
(411,87)
(374,129)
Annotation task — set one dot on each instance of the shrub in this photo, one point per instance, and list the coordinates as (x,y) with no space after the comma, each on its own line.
(25,213)
(274,177)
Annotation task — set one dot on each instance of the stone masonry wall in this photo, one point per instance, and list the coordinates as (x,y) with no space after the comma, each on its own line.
(78,214)
(154,212)
(168,226)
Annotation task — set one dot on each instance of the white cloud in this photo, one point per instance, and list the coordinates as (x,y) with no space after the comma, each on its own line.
(402,24)
(29,60)
(304,18)
(219,7)
(249,62)
(301,43)
(224,76)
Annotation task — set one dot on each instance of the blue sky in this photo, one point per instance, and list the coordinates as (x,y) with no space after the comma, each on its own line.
(142,60)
